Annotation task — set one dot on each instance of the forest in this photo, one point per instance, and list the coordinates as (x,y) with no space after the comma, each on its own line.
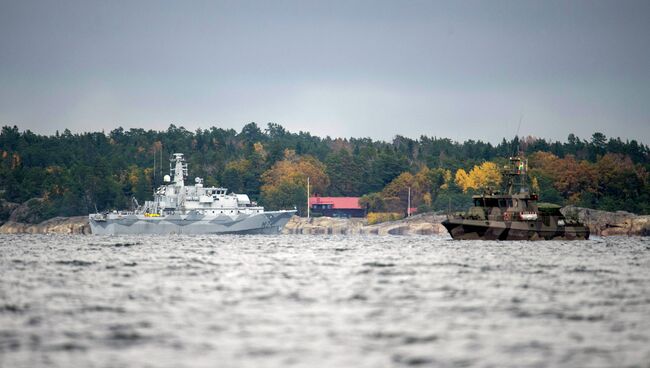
(68,174)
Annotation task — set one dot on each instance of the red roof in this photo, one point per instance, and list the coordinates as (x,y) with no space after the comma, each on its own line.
(336,202)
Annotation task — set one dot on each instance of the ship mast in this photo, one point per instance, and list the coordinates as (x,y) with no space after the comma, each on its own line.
(516,177)
(179,172)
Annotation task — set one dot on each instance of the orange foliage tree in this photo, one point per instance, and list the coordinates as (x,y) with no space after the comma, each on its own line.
(285,184)
(570,177)
(425,186)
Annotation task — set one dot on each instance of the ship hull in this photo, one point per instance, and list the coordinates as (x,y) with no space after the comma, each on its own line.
(512,230)
(270,222)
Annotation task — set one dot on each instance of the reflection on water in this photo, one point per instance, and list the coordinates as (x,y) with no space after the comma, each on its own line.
(326,301)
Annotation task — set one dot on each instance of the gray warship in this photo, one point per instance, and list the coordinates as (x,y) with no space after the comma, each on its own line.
(180,209)
(513,213)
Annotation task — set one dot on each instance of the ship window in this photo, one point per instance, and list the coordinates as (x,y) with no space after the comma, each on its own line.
(491,202)
(502,203)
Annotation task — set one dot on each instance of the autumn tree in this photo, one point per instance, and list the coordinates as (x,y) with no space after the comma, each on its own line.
(425,187)
(483,177)
(570,177)
(285,184)
(373,202)
(396,193)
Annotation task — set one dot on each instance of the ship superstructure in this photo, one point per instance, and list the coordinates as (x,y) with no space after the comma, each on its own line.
(180,209)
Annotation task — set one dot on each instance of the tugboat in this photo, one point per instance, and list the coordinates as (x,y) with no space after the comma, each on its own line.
(180,209)
(513,214)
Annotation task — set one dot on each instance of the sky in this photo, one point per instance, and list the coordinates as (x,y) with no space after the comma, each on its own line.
(455,69)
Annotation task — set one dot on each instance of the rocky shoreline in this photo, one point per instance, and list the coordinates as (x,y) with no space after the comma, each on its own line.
(56,225)
(424,224)
(600,223)
(603,223)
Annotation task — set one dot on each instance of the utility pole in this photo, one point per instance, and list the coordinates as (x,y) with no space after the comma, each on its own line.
(161,174)
(153,183)
(408,210)
(308,197)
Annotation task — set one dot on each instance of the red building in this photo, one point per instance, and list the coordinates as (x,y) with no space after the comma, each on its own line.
(336,207)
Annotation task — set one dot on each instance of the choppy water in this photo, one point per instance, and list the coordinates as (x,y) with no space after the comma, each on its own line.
(322,301)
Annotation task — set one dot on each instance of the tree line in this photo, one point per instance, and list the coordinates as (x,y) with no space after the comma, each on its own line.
(68,174)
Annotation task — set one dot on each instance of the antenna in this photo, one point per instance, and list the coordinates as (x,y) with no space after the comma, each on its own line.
(154,167)
(521,117)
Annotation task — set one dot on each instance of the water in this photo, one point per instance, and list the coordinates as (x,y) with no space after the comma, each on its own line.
(322,301)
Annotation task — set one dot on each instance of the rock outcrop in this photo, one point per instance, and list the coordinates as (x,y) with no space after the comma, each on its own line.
(425,224)
(56,225)
(6,209)
(30,212)
(605,223)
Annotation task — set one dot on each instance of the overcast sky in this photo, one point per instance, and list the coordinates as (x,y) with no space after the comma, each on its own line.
(457,69)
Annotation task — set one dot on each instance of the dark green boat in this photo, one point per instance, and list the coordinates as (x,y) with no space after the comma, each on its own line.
(513,214)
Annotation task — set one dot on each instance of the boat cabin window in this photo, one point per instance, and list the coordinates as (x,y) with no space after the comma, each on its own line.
(486,202)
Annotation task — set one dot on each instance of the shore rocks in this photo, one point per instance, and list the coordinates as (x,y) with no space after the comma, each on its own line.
(425,224)
(605,223)
(56,225)
(6,209)
(30,212)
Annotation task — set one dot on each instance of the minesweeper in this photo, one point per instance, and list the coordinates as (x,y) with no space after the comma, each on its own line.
(180,209)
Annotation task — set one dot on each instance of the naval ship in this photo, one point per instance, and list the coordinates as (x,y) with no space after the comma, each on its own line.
(180,209)
(513,214)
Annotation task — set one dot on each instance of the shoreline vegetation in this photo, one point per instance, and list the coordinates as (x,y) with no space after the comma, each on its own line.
(66,175)
(600,223)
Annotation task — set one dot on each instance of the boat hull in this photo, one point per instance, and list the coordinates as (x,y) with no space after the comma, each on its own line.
(463,229)
(270,222)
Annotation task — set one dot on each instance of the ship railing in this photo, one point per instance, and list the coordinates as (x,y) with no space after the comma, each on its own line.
(528,216)
(464,216)
(99,217)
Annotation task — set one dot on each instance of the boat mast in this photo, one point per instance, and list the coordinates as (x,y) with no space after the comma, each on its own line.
(516,175)
(180,169)
(180,172)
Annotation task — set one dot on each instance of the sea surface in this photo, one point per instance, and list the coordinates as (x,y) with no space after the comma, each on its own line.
(322,301)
